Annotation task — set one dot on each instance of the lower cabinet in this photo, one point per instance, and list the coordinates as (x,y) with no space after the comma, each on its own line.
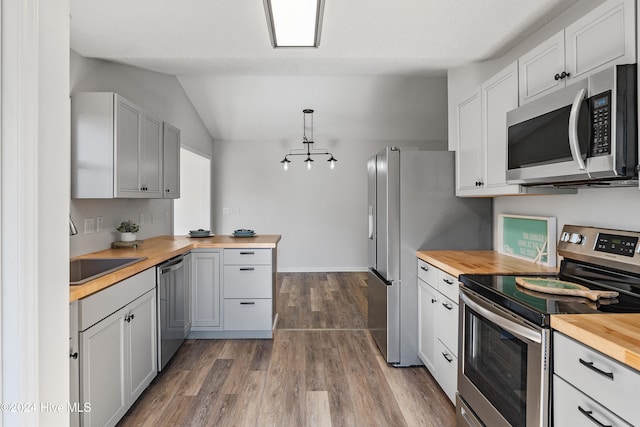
(118,353)
(438,326)
(232,293)
(590,388)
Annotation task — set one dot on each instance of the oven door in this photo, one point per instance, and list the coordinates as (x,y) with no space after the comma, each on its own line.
(503,372)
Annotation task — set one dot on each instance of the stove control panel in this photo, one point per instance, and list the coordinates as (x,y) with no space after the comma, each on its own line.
(616,244)
(614,248)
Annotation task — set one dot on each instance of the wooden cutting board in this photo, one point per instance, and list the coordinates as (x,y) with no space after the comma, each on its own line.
(560,287)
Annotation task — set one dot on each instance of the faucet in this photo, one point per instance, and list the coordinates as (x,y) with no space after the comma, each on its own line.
(72,227)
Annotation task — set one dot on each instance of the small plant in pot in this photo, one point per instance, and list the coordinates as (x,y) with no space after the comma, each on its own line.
(128,230)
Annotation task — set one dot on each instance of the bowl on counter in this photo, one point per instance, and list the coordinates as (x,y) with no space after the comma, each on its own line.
(242,232)
(200,233)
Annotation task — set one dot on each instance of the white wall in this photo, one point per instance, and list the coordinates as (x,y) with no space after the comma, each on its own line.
(161,95)
(320,214)
(609,208)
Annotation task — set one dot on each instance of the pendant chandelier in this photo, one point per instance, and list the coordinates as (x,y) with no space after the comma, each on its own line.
(307,140)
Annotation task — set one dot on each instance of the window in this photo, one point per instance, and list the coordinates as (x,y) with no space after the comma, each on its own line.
(193,209)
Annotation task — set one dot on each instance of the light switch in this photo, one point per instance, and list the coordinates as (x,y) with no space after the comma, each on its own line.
(99,224)
(89,225)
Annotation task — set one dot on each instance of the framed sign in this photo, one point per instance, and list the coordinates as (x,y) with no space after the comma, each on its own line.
(532,238)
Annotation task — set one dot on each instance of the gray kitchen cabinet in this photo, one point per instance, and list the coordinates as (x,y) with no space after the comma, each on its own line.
(438,325)
(171,162)
(248,291)
(74,366)
(206,277)
(118,348)
(116,148)
(187,294)
(603,37)
(590,388)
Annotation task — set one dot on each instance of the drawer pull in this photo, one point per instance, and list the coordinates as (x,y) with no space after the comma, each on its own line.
(433,300)
(447,357)
(247,303)
(447,281)
(447,306)
(247,268)
(422,267)
(592,418)
(596,369)
(247,253)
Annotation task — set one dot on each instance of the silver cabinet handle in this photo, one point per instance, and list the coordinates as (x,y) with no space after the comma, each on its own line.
(447,281)
(247,253)
(574,143)
(447,357)
(422,267)
(247,303)
(247,268)
(447,306)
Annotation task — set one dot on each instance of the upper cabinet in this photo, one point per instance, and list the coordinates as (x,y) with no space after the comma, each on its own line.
(118,150)
(481,124)
(601,38)
(171,136)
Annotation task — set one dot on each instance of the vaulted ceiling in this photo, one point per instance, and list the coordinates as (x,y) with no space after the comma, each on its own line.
(359,37)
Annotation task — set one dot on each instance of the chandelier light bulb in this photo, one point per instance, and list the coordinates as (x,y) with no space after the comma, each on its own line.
(286,166)
(309,164)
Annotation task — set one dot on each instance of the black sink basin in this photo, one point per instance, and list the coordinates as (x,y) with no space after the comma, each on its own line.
(85,269)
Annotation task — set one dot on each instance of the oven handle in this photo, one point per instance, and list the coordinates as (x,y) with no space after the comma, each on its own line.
(517,329)
(574,143)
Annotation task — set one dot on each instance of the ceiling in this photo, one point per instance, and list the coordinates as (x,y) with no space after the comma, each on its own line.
(359,37)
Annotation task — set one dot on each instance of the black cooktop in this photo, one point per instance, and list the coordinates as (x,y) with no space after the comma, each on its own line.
(537,307)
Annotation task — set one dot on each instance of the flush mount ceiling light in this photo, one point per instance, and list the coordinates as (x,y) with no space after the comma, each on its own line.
(307,140)
(294,23)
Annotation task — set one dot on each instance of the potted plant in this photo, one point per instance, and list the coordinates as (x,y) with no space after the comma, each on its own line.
(128,230)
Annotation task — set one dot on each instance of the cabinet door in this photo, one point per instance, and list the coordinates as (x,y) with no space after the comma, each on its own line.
(74,364)
(140,316)
(603,37)
(128,155)
(499,95)
(104,371)
(151,160)
(446,371)
(427,303)
(171,162)
(447,324)
(205,290)
(469,128)
(187,294)
(538,67)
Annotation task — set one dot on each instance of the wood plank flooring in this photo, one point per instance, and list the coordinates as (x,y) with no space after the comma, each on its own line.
(321,369)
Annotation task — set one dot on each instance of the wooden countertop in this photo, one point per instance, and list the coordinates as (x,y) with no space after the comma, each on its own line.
(480,262)
(158,250)
(616,335)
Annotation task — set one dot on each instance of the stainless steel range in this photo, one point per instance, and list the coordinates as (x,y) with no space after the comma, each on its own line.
(504,367)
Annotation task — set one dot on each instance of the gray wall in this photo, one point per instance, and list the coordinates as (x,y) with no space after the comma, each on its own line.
(610,208)
(321,214)
(162,96)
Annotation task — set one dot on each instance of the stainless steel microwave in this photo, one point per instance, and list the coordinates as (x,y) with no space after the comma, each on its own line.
(585,133)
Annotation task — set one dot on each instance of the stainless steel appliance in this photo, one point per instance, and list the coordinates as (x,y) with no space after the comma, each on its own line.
(172,308)
(504,366)
(585,133)
(412,206)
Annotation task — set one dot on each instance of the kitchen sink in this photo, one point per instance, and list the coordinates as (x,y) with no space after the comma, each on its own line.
(84,269)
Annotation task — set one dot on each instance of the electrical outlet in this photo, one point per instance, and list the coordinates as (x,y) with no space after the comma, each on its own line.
(99,224)
(235,211)
(141,221)
(89,225)
(225,211)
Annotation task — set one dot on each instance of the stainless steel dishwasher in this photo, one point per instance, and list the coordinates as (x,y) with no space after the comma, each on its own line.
(172,308)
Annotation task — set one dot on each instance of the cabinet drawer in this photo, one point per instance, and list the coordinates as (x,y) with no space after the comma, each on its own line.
(101,304)
(247,256)
(448,285)
(605,380)
(427,272)
(246,314)
(573,408)
(447,323)
(446,370)
(247,281)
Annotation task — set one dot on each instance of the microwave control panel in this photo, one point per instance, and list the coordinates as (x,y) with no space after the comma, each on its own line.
(601,124)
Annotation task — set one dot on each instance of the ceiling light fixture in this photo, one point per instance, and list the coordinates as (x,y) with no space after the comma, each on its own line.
(307,129)
(294,23)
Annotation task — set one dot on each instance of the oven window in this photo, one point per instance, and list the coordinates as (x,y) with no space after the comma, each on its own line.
(496,363)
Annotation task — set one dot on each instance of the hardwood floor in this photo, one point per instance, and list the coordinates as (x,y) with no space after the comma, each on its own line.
(321,369)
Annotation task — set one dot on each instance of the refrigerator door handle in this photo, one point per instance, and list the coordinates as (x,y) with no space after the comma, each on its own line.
(370,226)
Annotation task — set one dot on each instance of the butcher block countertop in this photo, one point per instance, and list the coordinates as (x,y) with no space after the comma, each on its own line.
(480,262)
(616,335)
(160,249)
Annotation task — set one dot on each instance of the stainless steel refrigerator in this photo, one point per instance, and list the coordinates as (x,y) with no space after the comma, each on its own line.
(412,206)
